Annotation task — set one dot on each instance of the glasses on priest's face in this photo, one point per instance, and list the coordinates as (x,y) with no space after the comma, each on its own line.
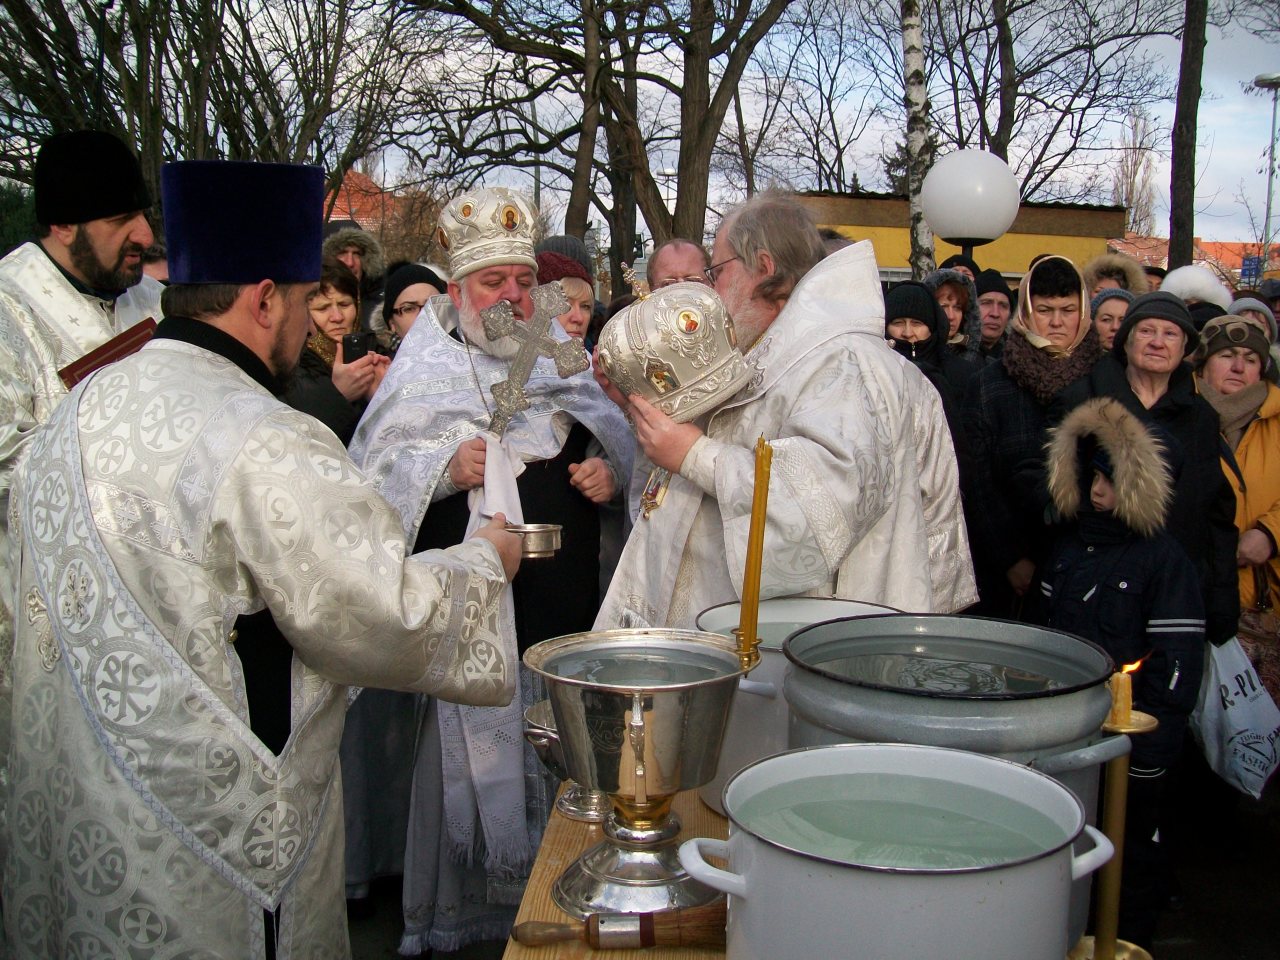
(713,271)
(668,281)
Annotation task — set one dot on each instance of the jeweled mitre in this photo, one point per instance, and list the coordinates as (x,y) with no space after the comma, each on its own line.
(677,349)
(489,227)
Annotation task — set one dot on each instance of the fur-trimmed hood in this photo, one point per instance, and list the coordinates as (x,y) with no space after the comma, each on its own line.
(372,260)
(971,325)
(1133,277)
(1143,482)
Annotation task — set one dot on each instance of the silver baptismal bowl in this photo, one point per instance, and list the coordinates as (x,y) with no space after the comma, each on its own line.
(640,715)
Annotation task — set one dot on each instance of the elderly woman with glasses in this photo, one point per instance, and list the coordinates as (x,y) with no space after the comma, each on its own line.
(1231,371)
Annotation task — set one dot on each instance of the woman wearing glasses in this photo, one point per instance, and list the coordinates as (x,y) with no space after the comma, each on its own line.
(408,290)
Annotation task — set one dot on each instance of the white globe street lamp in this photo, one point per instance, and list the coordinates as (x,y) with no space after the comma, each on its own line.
(969,198)
(1269,81)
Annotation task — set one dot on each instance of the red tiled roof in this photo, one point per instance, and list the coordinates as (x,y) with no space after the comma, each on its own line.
(361,200)
(1226,258)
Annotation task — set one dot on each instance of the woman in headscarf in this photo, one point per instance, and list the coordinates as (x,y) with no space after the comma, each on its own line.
(1050,343)
(1231,368)
(1145,372)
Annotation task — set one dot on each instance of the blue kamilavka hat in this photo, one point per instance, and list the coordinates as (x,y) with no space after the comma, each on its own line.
(234,222)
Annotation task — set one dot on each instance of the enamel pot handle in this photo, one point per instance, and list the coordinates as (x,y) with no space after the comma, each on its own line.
(722,880)
(1088,862)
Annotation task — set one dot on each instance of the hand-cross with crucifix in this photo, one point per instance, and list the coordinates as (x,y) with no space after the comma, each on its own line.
(570,356)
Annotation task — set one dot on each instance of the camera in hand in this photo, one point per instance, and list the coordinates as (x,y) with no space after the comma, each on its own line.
(356,345)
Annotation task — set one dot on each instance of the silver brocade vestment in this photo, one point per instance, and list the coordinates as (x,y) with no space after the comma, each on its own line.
(431,401)
(45,324)
(864,496)
(167,496)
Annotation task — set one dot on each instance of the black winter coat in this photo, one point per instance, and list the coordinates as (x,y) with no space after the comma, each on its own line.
(1135,597)
(1202,515)
(311,390)
(1006,429)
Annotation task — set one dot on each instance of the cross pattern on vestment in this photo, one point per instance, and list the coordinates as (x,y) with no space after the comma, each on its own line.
(570,355)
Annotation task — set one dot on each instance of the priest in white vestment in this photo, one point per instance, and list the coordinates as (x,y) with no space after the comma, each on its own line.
(174,782)
(62,295)
(864,497)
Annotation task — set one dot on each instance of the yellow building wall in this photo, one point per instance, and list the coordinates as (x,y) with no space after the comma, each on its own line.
(1010,254)
(1078,232)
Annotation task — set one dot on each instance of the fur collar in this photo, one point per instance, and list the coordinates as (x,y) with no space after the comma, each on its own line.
(1144,487)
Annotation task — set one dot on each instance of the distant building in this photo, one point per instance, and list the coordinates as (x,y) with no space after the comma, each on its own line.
(1075,230)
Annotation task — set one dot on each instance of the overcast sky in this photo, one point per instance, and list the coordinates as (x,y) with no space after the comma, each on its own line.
(1232,145)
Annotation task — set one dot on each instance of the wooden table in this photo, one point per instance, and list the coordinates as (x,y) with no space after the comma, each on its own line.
(562,843)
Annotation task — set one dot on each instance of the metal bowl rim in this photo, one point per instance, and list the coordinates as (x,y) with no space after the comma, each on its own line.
(882,610)
(537,654)
(1108,662)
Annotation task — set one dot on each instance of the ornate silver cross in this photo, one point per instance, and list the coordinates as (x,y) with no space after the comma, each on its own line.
(570,355)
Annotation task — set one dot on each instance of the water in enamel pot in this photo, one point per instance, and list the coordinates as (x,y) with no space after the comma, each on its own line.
(898,821)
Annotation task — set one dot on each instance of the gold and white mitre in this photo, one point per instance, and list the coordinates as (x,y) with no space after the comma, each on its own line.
(677,349)
(488,227)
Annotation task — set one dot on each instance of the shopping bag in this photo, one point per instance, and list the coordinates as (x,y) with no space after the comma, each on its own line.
(1236,721)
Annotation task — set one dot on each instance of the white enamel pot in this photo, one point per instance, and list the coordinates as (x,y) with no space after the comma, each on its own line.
(757,725)
(785,904)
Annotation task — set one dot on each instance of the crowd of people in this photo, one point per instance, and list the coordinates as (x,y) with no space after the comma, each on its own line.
(262,617)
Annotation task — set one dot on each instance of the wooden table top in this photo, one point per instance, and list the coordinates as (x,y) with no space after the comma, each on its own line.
(562,843)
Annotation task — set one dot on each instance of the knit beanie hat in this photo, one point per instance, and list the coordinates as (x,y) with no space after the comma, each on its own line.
(992,281)
(1110,293)
(402,279)
(557,266)
(1253,303)
(960,260)
(566,246)
(1157,305)
(1203,312)
(87,175)
(1229,330)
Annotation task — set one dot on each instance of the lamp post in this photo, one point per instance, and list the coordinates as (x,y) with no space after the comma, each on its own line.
(1269,81)
(668,176)
(969,197)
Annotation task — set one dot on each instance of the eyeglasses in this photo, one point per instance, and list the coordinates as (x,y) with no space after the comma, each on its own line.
(408,309)
(668,281)
(713,271)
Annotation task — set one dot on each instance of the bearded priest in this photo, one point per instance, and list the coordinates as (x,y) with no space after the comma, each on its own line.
(174,786)
(425,440)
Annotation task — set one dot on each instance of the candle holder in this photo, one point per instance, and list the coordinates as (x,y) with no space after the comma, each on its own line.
(1105,944)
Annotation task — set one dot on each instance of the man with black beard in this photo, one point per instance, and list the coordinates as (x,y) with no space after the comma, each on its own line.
(64,294)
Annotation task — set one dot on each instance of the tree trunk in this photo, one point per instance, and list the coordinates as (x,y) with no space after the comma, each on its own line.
(918,159)
(1182,178)
(577,212)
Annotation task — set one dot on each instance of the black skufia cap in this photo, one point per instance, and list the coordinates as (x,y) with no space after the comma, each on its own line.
(87,175)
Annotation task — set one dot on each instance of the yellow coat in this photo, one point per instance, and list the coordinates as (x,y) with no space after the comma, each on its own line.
(1258,498)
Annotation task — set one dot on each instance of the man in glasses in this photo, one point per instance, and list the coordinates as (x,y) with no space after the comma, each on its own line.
(675,261)
(864,495)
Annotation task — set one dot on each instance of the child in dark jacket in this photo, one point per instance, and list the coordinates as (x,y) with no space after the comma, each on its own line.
(1116,578)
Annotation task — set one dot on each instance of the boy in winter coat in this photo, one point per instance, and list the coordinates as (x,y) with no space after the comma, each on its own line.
(1116,578)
